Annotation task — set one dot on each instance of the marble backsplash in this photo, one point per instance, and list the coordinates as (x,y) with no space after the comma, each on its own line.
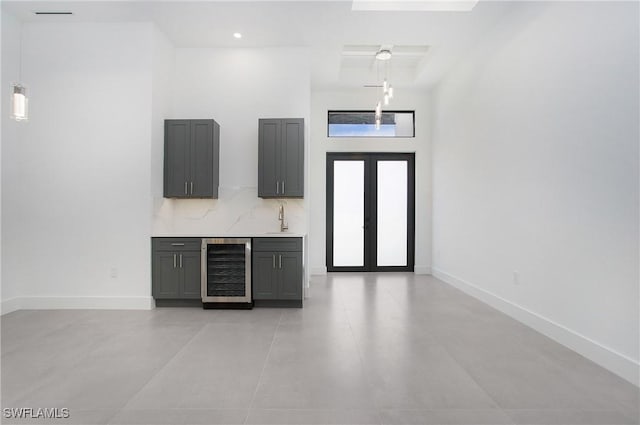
(237,212)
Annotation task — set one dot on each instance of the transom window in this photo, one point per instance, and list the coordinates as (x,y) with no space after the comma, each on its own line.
(362,124)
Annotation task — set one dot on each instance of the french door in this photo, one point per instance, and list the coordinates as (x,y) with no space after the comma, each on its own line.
(370,211)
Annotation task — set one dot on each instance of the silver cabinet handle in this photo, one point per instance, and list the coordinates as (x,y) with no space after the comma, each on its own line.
(283,187)
(180,260)
(274,260)
(174,261)
(177,244)
(277,187)
(185,188)
(280,260)
(192,188)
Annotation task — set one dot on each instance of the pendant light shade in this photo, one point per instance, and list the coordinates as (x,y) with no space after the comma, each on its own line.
(19,103)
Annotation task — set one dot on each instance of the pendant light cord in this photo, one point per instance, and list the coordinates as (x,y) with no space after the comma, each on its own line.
(20,54)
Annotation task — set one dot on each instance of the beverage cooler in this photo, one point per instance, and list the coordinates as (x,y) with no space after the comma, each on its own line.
(226,273)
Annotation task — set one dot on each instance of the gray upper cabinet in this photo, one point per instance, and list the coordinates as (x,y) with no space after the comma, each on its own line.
(281,158)
(191,158)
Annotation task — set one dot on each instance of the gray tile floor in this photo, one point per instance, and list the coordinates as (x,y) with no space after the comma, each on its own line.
(365,349)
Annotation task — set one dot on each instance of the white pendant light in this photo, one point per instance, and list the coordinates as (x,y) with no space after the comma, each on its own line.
(19,103)
(383,56)
(378,115)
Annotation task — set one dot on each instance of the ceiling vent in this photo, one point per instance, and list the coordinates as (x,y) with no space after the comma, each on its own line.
(53,13)
(414,5)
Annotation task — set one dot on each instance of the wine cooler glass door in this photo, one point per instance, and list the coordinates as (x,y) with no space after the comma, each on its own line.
(226,270)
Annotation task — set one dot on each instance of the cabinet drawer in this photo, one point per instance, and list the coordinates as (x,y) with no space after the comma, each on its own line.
(177,244)
(277,244)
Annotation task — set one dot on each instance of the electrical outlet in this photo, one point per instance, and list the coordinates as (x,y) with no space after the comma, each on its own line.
(516,278)
(113,272)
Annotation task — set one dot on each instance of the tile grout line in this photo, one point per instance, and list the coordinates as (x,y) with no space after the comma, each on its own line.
(91,349)
(169,360)
(264,366)
(470,375)
(498,407)
(360,356)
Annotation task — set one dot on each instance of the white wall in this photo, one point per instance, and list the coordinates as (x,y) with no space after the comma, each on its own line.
(322,101)
(82,181)
(536,171)
(76,181)
(11,33)
(236,87)
(163,70)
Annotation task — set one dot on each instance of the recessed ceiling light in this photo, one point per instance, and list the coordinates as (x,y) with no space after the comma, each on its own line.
(237,35)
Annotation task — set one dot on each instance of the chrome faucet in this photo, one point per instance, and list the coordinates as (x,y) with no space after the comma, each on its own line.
(283,224)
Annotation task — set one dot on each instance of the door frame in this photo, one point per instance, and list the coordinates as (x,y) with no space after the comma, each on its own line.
(370,209)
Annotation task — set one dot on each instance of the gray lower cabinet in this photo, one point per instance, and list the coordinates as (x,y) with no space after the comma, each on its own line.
(265,276)
(191,158)
(281,158)
(176,268)
(277,272)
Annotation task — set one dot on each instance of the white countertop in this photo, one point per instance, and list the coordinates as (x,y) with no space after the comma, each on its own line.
(233,235)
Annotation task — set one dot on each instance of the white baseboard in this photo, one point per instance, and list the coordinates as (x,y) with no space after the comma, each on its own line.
(63,303)
(319,271)
(10,305)
(422,269)
(615,362)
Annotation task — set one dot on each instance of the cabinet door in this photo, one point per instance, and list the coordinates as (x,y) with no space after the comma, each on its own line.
(263,269)
(201,159)
(290,281)
(177,136)
(292,158)
(166,275)
(269,132)
(191,274)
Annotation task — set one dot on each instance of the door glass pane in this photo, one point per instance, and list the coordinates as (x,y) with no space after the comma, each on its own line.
(392,213)
(348,213)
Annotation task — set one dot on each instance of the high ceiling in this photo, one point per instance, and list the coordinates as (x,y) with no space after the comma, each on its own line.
(326,28)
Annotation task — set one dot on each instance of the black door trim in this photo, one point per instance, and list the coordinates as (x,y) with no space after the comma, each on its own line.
(370,200)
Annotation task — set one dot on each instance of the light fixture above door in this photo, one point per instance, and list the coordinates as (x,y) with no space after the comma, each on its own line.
(383,56)
(19,102)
